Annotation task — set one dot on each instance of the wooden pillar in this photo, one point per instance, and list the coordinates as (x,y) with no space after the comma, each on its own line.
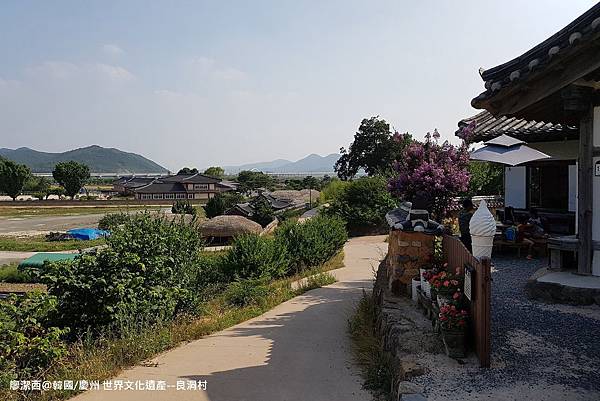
(585,201)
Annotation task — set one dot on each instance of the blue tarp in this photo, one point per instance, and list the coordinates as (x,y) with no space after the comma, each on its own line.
(87,233)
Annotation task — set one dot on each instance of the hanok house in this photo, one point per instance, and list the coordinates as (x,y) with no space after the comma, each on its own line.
(279,205)
(548,185)
(192,187)
(557,82)
(127,185)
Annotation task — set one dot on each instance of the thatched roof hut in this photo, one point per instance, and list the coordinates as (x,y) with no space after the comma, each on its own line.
(229,226)
(304,195)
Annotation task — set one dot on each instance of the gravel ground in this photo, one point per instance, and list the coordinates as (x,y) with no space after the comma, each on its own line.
(539,351)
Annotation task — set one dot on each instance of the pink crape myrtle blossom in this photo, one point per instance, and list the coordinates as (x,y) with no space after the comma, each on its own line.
(430,174)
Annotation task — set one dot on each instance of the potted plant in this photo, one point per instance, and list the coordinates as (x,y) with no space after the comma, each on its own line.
(446,285)
(453,323)
(425,286)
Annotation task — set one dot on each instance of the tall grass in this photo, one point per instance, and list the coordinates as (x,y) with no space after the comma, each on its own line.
(376,365)
(105,357)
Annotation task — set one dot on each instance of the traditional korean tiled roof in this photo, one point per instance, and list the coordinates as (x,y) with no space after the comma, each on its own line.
(487,127)
(136,182)
(159,187)
(193,179)
(584,29)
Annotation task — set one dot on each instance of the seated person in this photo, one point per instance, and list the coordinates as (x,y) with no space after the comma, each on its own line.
(536,228)
(523,231)
(509,215)
(464,218)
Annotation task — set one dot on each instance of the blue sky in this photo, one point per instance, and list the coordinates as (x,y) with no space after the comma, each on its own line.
(227,82)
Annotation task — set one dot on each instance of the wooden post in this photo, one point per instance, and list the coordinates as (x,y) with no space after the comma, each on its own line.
(585,190)
(484,344)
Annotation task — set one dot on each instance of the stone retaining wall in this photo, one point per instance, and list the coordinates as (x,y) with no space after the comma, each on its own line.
(406,334)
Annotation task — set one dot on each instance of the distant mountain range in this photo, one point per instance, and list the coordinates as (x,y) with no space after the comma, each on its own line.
(310,164)
(99,160)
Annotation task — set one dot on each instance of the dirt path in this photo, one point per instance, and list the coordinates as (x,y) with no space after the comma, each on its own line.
(297,351)
(44,224)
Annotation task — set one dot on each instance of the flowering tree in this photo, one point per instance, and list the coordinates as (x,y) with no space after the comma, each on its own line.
(430,174)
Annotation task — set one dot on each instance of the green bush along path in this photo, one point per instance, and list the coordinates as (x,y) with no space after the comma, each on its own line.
(297,351)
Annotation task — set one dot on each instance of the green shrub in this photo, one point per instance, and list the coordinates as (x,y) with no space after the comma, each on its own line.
(313,242)
(146,274)
(217,205)
(253,256)
(11,274)
(332,190)
(183,207)
(263,211)
(28,341)
(247,292)
(111,220)
(318,281)
(363,203)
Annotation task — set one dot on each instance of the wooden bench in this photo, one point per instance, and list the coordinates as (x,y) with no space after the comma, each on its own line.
(510,244)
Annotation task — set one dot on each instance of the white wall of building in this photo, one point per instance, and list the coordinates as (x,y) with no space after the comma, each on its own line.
(515,187)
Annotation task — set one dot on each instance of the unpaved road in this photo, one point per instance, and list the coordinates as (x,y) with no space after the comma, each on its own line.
(44,224)
(298,351)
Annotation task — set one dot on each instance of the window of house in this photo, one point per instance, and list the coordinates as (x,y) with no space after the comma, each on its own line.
(169,196)
(180,196)
(200,186)
(548,186)
(190,196)
(157,196)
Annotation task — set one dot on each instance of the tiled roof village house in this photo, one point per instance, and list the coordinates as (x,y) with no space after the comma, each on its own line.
(550,98)
(278,204)
(192,187)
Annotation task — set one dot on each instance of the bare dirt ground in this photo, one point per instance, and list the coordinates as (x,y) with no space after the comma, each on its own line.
(44,224)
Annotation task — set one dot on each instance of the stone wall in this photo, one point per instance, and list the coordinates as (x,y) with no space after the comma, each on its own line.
(407,252)
(407,337)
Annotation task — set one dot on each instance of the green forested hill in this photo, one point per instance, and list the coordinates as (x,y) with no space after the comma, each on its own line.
(99,159)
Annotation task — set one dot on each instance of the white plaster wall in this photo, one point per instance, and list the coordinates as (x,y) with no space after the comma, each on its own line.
(515,179)
(573,188)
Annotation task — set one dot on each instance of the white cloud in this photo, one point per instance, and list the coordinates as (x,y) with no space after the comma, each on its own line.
(208,68)
(114,72)
(112,49)
(60,105)
(229,74)
(53,70)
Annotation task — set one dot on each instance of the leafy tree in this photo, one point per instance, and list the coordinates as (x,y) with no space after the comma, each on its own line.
(187,171)
(13,177)
(183,207)
(374,149)
(217,205)
(430,174)
(263,211)
(362,202)
(71,175)
(332,190)
(215,171)
(485,178)
(252,180)
(310,182)
(38,185)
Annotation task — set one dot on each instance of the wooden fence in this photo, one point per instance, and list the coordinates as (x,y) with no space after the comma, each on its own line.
(457,256)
